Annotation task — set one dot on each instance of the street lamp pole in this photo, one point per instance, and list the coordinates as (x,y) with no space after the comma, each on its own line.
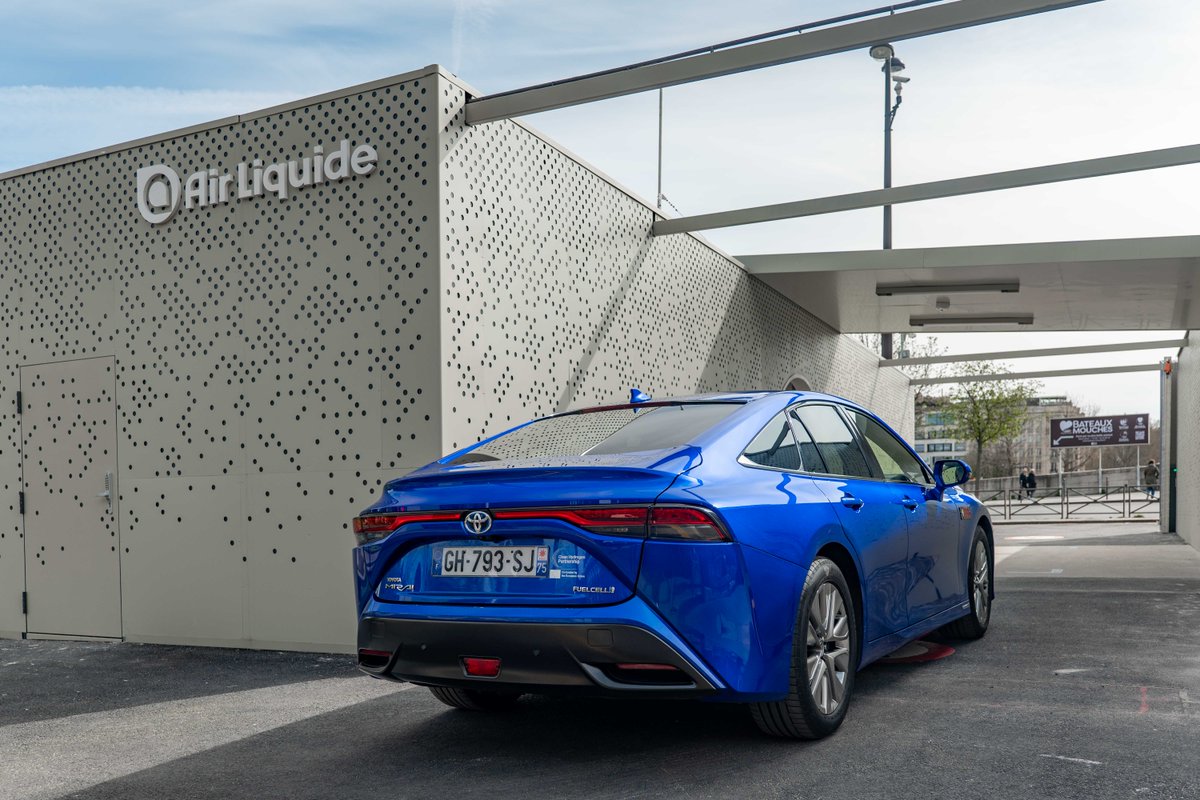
(887,162)
(891,65)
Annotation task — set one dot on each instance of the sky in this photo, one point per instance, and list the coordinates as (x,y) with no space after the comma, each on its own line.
(1102,79)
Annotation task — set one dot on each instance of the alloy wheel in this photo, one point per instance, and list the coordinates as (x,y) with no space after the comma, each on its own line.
(981,583)
(828,648)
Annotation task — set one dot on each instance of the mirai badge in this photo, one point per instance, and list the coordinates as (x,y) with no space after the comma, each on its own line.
(477,522)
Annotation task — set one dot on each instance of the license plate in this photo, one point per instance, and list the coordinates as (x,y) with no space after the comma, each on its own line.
(492,562)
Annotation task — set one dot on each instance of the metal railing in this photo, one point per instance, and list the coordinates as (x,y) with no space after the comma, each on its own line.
(1072,502)
(1109,477)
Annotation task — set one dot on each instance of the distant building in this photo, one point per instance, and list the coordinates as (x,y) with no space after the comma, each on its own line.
(1032,447)
(934,437)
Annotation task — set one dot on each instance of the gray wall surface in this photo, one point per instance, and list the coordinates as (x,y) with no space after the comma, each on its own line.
(1187,441)
(277,360)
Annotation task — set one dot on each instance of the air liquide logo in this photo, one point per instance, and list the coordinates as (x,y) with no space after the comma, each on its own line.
(161,191)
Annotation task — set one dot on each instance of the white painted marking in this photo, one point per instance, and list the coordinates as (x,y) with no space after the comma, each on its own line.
(1031,538)
(52,757)
(1183,697)
(1072,670)
(1074,760)
(1057,571)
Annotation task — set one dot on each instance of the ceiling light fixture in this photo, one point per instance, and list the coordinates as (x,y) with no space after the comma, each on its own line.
(918,287)
(971,319)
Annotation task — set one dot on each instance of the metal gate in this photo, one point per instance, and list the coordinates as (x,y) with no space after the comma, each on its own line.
(69,464)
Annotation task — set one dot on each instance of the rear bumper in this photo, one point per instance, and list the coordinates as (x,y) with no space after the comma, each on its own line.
(543,657)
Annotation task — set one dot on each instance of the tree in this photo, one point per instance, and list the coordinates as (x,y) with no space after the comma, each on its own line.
(988,411)
(918,345)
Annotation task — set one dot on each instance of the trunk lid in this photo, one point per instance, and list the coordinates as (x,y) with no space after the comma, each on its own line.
(543,543)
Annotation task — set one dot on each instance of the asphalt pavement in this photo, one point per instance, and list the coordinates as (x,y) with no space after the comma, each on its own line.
(1086,686)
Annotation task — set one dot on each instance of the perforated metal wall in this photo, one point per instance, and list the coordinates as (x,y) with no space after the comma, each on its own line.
(556,296)
(277,360)
(1186,455)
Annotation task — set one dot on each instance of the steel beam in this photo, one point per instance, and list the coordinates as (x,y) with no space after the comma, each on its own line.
(1136,250)
(975,184)
(1049,351)
(1048,373)
(784,50)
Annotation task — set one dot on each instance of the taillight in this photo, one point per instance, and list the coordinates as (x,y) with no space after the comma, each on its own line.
(613,521)
(685,523)
(373,527)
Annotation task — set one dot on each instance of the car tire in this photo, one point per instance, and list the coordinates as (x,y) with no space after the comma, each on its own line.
(821,678)
(474,699)
(979,592)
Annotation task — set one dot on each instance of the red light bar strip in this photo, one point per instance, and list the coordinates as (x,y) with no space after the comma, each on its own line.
(374,523)
(583,517)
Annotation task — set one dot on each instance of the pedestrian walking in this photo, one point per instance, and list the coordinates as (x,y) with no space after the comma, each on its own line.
(1150,477)
(1030,483)
(1024,484)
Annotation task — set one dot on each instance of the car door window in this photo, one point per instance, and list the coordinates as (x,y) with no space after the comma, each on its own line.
(895,461)
(833,441)
(775,447)
(809,455)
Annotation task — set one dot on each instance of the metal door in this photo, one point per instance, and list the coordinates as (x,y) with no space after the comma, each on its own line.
(69,465)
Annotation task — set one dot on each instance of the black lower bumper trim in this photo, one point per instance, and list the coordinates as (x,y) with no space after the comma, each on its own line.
(535,657)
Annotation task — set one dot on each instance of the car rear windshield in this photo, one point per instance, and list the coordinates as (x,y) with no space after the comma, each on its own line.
(607,432)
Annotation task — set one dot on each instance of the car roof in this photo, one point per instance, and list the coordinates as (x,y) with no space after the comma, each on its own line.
(746,396)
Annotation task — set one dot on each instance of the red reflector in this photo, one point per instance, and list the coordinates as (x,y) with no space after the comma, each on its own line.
(682,522)
(374,659)
(481,667)
(649,667)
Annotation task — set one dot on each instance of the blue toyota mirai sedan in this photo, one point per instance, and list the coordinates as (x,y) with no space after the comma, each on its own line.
(755,547)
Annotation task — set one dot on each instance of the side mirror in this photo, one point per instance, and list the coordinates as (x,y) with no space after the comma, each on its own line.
(950,472)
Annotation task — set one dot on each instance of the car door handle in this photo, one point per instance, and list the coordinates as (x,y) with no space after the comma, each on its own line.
(850,501)
(909,503)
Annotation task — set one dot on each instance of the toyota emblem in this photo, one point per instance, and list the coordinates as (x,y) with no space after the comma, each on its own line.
(477,522)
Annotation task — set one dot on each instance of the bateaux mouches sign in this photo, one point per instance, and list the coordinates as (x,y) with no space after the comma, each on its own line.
(161,190)
(1100,431)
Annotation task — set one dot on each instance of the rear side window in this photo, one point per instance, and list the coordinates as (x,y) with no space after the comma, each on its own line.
(895,462)
(833,441)
(608,432)
(775,447)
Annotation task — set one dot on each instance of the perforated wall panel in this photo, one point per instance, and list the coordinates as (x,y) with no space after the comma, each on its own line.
(1187,441)
(556,296)
(276,360)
